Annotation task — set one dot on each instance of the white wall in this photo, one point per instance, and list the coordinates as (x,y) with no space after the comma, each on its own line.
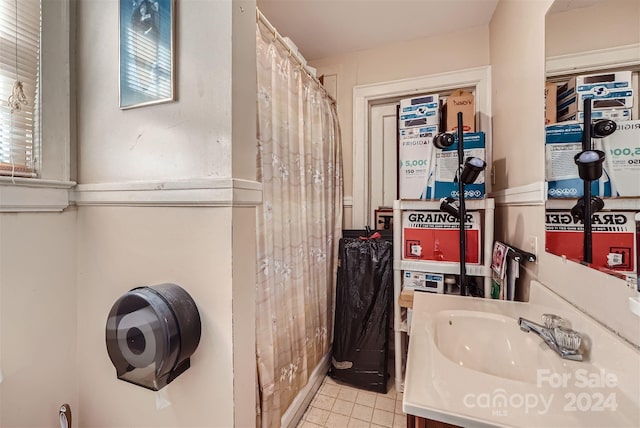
(607,24)
(38,319)
(455,51)
(160,201)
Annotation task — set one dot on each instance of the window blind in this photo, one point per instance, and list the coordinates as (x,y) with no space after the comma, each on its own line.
(20,25)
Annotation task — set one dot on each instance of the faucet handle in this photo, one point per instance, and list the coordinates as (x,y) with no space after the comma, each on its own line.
(552,321)
(567,338)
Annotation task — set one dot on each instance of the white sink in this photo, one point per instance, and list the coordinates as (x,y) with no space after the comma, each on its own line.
(492,344)
(470,365)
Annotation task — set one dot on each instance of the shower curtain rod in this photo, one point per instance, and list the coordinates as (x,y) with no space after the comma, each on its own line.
(261,18)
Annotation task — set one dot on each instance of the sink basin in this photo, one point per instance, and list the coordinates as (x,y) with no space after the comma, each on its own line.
(492,344)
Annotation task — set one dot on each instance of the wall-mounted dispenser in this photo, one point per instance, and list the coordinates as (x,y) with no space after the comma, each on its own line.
(151,333)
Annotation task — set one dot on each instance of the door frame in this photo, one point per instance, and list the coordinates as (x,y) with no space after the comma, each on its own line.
(363,95)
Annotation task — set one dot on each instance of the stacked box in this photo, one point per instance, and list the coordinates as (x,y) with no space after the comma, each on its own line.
(550,106)
(423,281)
(435,236)
(419,119)
(445,184)
(617,115)
(607,90)
(419,111)
(459,102)
(621,168)
(613,239)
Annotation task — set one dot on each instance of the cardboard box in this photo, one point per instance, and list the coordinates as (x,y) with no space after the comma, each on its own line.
(420,117)
(423,281)
(607,99)
(563,142)
(416,166)
(447,166)
(419,111)
(459,101)
(617,115)
(435,236)
(409,104)
(550,105)
(419,132)
(613,239)
(595,84)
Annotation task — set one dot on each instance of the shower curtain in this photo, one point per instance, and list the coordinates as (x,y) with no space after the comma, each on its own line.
(299,224)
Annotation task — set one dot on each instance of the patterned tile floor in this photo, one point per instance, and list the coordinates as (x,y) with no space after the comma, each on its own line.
(338,405)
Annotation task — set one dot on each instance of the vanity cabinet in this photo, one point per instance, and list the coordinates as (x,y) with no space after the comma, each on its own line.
(418,422)
(401,326)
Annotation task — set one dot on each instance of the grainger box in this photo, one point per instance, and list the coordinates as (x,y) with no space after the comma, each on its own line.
(435,236)
(613,238)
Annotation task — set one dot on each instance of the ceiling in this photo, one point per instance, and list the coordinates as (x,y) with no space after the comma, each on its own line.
(323,28)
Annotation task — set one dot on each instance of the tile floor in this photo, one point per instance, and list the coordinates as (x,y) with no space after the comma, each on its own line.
(338,405)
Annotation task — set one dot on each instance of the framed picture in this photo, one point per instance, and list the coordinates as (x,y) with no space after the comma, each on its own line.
(146,52)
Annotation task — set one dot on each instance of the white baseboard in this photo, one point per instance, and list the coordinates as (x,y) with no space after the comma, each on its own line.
(296,410)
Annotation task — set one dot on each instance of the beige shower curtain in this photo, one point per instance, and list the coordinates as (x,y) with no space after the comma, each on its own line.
(299,224)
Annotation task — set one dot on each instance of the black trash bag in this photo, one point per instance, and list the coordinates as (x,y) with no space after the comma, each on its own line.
(363,313)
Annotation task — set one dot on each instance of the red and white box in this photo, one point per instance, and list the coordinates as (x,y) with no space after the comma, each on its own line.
(435,236)
(613,239)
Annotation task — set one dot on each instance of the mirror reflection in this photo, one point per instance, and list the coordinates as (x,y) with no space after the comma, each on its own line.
(593,68)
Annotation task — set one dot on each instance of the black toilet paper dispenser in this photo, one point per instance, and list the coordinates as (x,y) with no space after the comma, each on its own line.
(151,333)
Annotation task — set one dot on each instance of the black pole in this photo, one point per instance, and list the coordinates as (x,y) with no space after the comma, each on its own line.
(586,220)
(462,209)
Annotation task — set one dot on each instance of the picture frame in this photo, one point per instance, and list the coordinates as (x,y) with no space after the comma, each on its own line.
(146,57)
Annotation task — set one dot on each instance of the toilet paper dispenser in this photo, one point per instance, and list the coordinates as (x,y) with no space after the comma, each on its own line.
(151,332)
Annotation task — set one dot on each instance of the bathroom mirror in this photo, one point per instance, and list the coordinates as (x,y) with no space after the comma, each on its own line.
(585,37)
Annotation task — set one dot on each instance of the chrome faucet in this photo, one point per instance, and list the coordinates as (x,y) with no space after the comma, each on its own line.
(557,335)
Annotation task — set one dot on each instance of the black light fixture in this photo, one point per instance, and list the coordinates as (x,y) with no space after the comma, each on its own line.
(577,212)
(472,168)
(443,140)
(589,164)
(603,128)
(450,206)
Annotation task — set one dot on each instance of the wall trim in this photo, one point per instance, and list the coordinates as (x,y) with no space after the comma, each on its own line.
(363,95)
(533,194)
(591,61)
(33,195)
(223,192)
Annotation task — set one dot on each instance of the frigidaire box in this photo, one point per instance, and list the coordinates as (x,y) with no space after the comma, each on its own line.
(622,159)
(416,166)
(459,101)
(613,238)
(550,105)
(423,281)
(419,111)
(435,236)
(621,168)
(447,166)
